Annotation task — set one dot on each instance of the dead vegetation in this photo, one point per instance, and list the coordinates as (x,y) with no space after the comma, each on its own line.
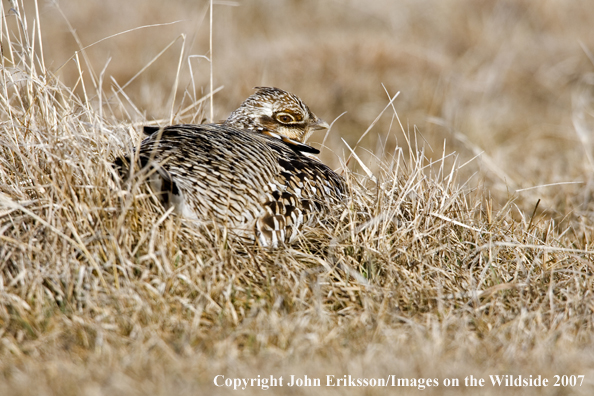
(424,276)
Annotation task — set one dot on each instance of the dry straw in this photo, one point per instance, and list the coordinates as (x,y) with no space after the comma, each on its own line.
(99,286)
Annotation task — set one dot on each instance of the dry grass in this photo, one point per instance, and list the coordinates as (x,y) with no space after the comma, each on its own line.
(426,275)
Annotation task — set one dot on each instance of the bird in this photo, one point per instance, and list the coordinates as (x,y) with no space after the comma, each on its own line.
(252,173)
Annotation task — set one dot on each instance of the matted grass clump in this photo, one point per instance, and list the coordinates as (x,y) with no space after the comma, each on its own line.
(103,291)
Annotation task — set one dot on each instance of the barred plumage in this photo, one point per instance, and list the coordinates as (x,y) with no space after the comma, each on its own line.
(249,172)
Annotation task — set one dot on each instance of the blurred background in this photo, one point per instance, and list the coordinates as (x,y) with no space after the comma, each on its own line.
(511,79)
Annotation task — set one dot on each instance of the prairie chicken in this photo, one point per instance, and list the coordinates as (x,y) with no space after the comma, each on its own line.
(248,172)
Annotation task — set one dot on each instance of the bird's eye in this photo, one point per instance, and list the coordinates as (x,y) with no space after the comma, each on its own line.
(285,118)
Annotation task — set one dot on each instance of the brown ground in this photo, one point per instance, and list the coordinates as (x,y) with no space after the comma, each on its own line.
(447,278)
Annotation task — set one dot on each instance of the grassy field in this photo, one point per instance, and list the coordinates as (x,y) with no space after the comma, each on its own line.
(466,249)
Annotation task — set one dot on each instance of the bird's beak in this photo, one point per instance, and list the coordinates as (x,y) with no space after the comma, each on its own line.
(319,125)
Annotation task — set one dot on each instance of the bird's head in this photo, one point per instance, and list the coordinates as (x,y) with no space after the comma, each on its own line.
(277,111)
